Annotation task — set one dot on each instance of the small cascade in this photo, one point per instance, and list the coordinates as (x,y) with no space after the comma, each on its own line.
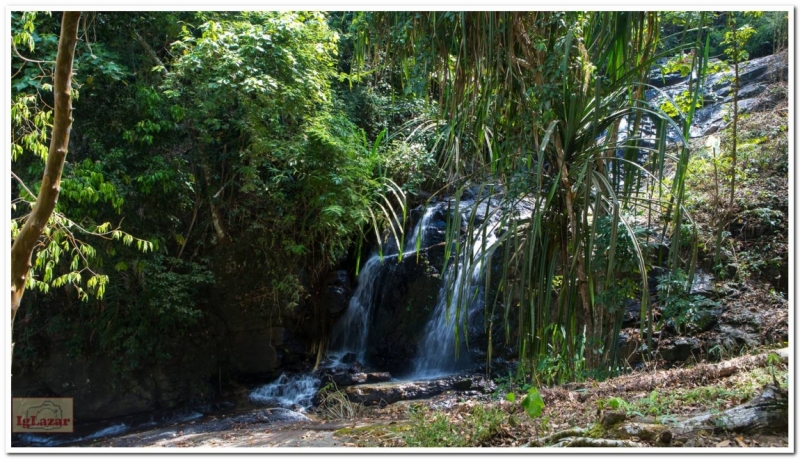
(419,232)
(288,391)
(349,336)
(438,347)
(350,333)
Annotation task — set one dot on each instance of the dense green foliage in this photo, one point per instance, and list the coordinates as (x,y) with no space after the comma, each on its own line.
(197,132)
(289,139)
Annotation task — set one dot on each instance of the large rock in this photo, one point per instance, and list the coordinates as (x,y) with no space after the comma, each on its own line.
(755,77)
(679,349)
(253,352)
(388,393)
(391,392)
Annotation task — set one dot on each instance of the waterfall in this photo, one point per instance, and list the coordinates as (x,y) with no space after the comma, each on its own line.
(420,227)
(352,330)
(437,355)
(349,334)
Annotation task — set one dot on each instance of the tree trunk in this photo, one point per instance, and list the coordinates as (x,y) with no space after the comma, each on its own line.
(735,117)
(22,249)
(727,214)
(574,234)
(216,219)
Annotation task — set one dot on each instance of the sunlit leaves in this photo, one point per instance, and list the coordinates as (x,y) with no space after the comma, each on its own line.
(283,59)
(25,29)
(85,185)
(29,126)
(735,41)
(60,250)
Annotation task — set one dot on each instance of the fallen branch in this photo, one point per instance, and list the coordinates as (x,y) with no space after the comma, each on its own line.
(702,373)
(767,413)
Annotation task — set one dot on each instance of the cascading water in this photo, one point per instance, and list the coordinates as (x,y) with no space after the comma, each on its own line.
(350,333)
(352,330)
(438,346)
(348,336)
(288,391)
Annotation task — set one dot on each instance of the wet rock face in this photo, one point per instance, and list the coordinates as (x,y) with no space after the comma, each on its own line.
(405,300)
(337,293)
(755,77)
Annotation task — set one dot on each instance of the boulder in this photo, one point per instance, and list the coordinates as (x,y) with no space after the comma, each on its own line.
(462,385)
(388,393)
(679,349)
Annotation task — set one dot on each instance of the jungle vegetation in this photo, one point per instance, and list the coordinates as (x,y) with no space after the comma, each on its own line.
(294,138)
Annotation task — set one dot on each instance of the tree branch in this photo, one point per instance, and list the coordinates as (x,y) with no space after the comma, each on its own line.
(151,53)
(24,244)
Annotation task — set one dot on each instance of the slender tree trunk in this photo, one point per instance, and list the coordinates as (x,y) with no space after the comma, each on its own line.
(735,117)
(718,199)
(216,219)
(25,243)
(727,215)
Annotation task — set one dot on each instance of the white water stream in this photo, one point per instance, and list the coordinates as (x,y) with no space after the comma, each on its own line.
(439,354)
(352,330)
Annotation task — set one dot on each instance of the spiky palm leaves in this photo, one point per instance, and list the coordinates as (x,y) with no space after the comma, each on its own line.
(545,109)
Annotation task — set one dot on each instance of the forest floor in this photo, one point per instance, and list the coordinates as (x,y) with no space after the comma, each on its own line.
(660,398)
(645,403)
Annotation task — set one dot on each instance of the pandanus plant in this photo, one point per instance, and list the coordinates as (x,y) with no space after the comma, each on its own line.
(548,109)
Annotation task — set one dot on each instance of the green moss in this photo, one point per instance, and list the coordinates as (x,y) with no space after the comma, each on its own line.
(596,431)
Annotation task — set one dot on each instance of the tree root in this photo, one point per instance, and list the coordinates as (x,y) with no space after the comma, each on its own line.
(767,413)
(556,436)
(577,442)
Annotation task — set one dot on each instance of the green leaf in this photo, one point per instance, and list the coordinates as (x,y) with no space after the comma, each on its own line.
(533,403)
(511,397)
